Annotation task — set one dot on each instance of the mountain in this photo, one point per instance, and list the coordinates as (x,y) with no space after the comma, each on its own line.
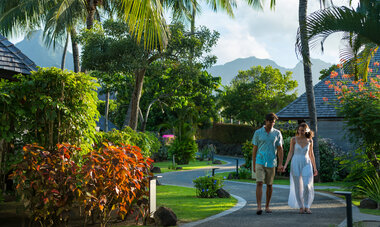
(229,70)
(43,56)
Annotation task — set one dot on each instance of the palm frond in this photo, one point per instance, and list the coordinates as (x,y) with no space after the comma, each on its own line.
(371,187)
(18,16)
(321,24)
(145,20)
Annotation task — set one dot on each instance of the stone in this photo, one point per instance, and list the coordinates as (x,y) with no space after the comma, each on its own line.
(217,162)
(223,193)
(164,216)
(368,204)
(156,169)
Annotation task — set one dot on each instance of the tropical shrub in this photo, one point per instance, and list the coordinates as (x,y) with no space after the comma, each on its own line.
(49,106)
(147,142)
(330,154)
(48,182)
(359,104)
(207,152)
(115,178)
(245,173)
(207,186)
(370,186)
(247,149)
(183,150)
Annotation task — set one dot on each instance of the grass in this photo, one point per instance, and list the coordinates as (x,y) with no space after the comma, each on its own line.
(192,165)
(187,206)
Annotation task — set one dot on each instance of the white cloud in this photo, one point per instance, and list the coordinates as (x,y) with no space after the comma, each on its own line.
(266,34)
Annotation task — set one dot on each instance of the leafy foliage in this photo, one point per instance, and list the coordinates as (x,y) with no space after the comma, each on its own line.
(247,149)
(49,106)
(371,187)
(184,150)
(206,186)
(330,155)
(115,177)
(359,104)
(147,142)
(255,92)
(47,182)
(361,35)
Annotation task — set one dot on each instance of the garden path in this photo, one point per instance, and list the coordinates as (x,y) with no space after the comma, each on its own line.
(328,210)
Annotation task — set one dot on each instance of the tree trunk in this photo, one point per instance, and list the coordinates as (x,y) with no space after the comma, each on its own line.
(128,116)
(91,9)
(75,48)
(308,77)
(136,98)
(64,52)
(107,111)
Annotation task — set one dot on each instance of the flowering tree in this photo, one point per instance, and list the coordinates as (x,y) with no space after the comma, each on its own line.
(359,103)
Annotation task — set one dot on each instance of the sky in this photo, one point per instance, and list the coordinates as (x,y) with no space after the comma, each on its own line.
(266,34)
(262,34)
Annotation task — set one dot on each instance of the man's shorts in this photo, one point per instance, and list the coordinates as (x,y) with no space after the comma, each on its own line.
(265,174)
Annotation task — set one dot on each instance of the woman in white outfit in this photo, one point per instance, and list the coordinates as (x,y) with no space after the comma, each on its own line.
(302,169)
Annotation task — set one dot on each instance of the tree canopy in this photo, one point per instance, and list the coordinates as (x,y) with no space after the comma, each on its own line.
(255,92)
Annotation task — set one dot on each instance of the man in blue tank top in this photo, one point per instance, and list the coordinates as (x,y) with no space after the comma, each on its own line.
(267,145)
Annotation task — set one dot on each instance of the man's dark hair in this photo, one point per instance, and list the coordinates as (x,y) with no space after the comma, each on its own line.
(271,116)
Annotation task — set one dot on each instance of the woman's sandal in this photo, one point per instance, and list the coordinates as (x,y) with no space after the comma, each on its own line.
(301,211)
(308,212)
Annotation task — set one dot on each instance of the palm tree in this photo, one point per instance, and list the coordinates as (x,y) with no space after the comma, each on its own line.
(361,27)
(303,43)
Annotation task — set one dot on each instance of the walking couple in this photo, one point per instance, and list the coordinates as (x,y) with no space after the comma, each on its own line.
(267,144)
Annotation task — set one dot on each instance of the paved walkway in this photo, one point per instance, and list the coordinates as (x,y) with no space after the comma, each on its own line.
(328,210)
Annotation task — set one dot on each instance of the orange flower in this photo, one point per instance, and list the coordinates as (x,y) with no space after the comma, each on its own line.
(376,63)
(325,99)
(338,83)
(339,66)
(333,74)
(331,86)
(369,70)
(378,76)
(327,82)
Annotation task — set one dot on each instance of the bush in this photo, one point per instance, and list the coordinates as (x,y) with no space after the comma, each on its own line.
(247,149)
(147,142)
(49,106)
(207,152)
(329,161)
(115,178)
(245,173)
(207,186)
(47,182)
(184,150)
(358,164)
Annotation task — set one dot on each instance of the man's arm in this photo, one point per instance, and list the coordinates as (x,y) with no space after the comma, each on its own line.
(280,153)
(254,152)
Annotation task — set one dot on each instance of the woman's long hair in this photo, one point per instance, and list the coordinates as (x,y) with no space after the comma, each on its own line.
(308,133)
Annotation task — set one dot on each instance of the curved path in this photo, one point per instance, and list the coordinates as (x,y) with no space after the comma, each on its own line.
(327,210)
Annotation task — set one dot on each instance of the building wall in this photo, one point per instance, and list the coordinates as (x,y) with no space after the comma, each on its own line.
(334,129)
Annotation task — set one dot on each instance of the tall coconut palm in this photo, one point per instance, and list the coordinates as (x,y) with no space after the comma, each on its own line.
(303,43)
(362,33)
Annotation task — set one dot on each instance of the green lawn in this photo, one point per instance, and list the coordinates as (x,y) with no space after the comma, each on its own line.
(192,165)
(187,206)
